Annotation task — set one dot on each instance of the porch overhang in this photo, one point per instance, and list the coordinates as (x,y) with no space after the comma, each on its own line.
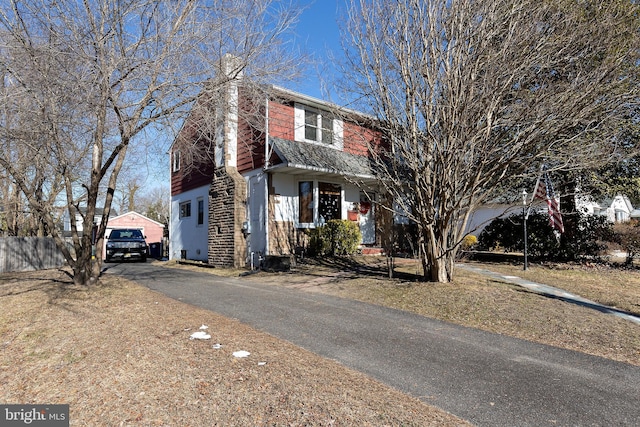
(304,159)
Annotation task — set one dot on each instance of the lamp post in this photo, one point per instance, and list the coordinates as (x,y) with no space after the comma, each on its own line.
(524,226)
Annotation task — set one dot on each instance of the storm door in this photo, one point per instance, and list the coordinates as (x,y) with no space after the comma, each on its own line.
(329,201)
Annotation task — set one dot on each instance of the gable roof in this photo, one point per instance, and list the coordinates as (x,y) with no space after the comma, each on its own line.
(608,203)
(281,92)
(98,211)
(139,215)
(317,158)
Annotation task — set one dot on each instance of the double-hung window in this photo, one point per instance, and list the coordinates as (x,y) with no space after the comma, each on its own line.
(317,126)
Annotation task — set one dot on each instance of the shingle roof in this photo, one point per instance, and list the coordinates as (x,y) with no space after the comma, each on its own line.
(324,159)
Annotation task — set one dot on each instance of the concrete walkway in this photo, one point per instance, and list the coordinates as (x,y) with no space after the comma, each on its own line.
(488,379)
(552,292)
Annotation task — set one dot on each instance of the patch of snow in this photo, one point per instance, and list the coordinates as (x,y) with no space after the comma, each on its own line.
(200,335)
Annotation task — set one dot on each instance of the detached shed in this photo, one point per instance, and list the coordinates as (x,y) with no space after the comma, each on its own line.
(152,230)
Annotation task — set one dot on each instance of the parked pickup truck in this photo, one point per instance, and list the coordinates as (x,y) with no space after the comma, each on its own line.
(126,244)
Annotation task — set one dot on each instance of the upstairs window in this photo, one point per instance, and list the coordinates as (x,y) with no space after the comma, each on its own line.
(317,126)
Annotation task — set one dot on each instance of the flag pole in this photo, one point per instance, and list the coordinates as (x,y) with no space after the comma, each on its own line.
(524,226)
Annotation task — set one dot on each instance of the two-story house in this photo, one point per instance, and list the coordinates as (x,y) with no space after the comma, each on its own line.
(277,170)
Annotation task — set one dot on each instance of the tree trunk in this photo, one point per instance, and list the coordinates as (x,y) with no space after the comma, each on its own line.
(422,254)
(439,271)
(439,264)
(82,271)
(96,269)
(570,217)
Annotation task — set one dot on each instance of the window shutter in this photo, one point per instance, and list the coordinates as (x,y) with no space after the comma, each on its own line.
(338,133)
(299,122)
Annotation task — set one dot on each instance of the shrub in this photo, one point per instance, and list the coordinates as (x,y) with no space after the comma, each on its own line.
(508,234)
(336,237)
(627,235)
(469,241)
(588,239)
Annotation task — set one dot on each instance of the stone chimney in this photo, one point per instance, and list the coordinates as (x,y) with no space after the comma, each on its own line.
(228,193)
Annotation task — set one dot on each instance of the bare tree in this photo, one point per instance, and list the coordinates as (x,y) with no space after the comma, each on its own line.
(85,79)
(474,94)
(14,216)
(155,204)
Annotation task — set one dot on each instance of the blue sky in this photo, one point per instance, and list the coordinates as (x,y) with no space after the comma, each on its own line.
(318,34)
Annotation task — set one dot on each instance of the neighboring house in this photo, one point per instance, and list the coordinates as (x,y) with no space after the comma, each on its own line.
(270,182)
(97,219)
(617,209)
(152,230)
(482,216)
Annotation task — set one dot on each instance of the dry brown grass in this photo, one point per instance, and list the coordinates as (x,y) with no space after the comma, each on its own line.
(615,287)
(120,354)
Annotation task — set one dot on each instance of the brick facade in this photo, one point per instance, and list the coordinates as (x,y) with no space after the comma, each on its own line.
(227,213)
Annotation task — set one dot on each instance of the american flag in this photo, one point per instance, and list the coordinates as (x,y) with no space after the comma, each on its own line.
(544,191)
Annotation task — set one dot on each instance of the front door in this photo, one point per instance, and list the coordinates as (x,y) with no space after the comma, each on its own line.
(329,201)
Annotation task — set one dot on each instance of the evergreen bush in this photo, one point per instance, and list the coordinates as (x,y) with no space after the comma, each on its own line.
(336,237)
(588,239)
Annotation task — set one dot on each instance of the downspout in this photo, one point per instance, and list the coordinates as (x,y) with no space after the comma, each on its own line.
(170,222)
(266,177)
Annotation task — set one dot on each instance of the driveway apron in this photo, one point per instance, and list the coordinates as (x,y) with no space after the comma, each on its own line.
(487,379)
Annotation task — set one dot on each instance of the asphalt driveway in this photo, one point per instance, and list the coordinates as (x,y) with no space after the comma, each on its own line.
(485,378)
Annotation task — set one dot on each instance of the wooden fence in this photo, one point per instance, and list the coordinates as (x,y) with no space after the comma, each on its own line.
(29,253)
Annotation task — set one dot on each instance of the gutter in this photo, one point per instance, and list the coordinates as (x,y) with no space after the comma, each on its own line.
(266,177)
(318,169)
